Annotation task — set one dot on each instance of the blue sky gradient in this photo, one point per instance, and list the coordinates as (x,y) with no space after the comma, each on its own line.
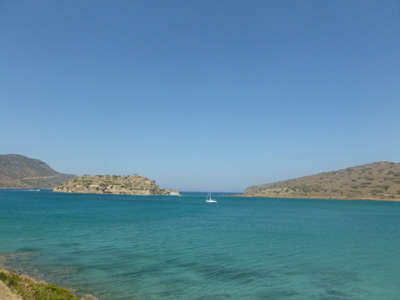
(201,94)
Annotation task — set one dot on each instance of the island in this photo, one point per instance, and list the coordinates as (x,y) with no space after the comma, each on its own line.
(113,184)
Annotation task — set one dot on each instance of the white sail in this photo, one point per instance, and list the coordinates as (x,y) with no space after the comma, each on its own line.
(209,199)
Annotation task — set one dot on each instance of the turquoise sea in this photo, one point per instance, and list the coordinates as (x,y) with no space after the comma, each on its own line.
(168,247)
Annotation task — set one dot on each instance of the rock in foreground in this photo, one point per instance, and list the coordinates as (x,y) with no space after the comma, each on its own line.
(14,286)
(107,184)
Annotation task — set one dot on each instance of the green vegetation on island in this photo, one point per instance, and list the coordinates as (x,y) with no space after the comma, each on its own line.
(376,181)
(113,184)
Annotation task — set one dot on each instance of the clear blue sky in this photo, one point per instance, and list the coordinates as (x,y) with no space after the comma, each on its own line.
(201,94)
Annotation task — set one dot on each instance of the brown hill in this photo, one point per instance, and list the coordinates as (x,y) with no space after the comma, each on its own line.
(106,184)
(376,181)
(21,172)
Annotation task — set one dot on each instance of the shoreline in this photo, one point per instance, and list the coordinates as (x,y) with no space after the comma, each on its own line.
(316,198)
(17,286)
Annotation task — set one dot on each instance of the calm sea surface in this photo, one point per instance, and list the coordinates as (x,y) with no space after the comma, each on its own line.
(166,247)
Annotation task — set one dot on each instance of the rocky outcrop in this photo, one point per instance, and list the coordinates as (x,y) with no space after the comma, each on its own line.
(21,172)
(113,184)
(376,181)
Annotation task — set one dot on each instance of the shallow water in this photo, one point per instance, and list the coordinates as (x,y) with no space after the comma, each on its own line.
(166,247)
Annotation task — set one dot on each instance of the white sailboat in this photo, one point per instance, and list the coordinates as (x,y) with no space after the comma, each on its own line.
(209,199)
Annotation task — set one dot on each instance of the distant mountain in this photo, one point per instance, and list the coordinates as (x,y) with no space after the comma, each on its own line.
(107,184)
(21,172)
(376,181)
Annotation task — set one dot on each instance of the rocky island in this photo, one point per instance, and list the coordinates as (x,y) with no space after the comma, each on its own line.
(375,181)
(113,184)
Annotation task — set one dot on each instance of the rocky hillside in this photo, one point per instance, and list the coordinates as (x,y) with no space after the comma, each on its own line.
(106,184)
(21,172)
(376,181)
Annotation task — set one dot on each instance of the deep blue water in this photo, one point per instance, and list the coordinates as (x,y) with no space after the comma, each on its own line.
(166,247)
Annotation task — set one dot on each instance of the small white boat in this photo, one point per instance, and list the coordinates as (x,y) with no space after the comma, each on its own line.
(209,199)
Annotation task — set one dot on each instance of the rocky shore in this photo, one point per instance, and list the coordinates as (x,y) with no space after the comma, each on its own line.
(15,286)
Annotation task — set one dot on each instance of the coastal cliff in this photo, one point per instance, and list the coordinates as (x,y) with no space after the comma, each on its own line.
(113,184)
(376,181)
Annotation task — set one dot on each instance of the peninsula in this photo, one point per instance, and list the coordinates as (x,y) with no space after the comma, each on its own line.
(375,181)
(113,184)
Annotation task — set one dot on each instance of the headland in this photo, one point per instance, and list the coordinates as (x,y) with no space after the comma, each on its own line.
(375,181)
